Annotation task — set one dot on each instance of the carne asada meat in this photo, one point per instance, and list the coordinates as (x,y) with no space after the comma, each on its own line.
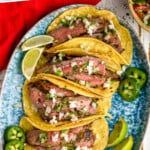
(59,104)
(85,70)
(98,28)
(56,140)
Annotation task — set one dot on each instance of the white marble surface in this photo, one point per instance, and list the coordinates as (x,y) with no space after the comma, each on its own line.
(2,73)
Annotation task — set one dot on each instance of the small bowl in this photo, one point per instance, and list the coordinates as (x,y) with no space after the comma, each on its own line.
(136,17)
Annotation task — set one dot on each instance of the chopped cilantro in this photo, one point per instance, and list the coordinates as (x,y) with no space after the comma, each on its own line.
(114,32)
(65,23)
(80,112)
(43,137)
(48,147)
(84,66)
(95,100)
(48,96)
(99,37)
(45,81)
(72,113)
(65,131)
(93,22)
(61,105)
(70,146)
(64,102)
(47,70)
(59,73)
(62,53)
(55,40)
(75,67)
(65,86)
(105,34)
(58,107)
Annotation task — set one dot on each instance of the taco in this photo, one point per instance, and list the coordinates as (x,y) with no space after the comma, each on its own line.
(92,46)
(89,135)
(83,70)
(87,21)
(55,103)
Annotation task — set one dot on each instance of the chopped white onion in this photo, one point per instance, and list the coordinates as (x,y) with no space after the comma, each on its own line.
(90,67)
(53,120)
(48,110)
(73,64)
(69,36)
(64,148)
(73,104)
(65,136)
(107,83)
(55,137)
(82,82)
(61,115)
(94,105)
(74,118)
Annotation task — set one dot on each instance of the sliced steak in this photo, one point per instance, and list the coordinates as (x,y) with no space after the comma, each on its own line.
(37,97)
(114,41)
(61,92)
(79,136)
(61,34)
(92,80)
(43,139)
(67,66)
(80,29)
(86,139)
(79,102)
(40,148)
(71,104)
(113,75)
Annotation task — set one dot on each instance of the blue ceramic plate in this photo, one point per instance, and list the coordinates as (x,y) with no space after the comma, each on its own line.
(135,113)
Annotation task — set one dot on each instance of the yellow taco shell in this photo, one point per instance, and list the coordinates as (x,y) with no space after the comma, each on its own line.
(103,103)
(82,11)
(110,65)
(99,128)
(91,45)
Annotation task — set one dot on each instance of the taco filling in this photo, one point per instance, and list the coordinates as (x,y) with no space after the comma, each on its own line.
(86,70)
(88,26)
(77,138)
(59,104)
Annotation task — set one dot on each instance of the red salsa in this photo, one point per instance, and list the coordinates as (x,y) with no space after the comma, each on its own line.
(142,9)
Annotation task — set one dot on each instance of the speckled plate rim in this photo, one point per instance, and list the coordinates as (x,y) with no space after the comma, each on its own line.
(70,6)
(148,71)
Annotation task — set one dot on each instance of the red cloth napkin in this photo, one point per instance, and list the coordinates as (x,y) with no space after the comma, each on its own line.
(16,18)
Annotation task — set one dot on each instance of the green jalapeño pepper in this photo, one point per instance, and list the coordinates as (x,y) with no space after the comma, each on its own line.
(14,145)
(14,133)
(128,89)
(138,74)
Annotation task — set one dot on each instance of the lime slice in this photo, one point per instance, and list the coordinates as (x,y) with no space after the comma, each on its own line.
(126,144)
(118,133)
(37,41)
(30,61)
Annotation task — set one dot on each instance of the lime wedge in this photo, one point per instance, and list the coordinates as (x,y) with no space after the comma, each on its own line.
(37,41)
(126,144)
(118,133)
(30,61)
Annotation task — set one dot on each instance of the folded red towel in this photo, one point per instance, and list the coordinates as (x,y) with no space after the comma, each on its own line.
(17,17)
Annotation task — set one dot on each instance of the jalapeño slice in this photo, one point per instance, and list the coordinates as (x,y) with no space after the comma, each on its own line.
(14,133)
(128,89)
(14,145)
(138,74)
